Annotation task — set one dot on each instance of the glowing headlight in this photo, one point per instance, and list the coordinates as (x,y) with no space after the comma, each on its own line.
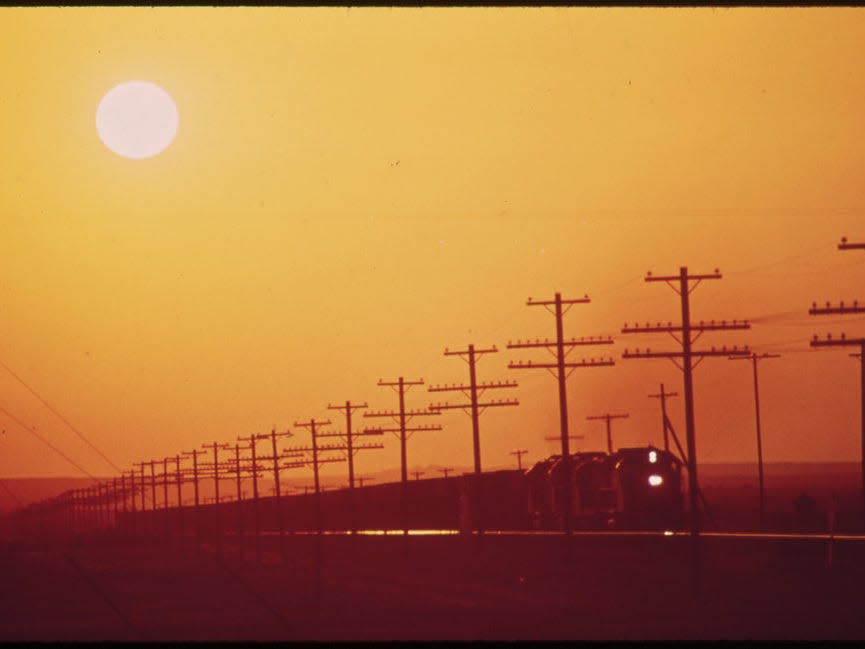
(653,457)
(655,480)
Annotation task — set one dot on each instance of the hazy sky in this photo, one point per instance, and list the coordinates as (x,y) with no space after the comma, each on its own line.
(353,190)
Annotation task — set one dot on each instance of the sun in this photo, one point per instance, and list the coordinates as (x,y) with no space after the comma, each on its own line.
(137,119)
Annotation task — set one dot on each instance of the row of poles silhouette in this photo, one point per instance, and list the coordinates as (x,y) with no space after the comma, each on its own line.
(102,504)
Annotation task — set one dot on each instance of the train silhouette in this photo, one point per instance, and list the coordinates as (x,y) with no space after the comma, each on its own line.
(630,489)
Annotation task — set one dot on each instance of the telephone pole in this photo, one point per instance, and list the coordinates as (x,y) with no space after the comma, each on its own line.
(754,358)
(216,447)
(316,448)
(662,395)
(418,474)
(848,342)
(559,307)
(403,416)
(194,454)
(519,453)
(179,478)
(608,418)
(316,460)
(445,471)
(134,515)
(143,489)
(681,284)
(474,391)
(255,510)
(351,448)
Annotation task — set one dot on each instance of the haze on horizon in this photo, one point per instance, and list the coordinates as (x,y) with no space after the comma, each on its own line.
(352,191)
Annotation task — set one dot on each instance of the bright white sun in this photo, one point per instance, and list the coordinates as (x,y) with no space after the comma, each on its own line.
(137,119)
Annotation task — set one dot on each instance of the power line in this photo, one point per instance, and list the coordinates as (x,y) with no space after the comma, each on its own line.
(59,416)
(47,443)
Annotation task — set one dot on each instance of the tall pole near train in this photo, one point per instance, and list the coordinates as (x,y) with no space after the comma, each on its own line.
(848,342)
(755,358)
(351,450)
(195,453)
(607,417)
(255,511)
(216,519)
(474,408)
(662,396)
(681,284)
(179,477)
(403,416)
(560,307)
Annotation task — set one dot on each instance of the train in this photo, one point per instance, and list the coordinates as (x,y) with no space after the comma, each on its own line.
(631,489)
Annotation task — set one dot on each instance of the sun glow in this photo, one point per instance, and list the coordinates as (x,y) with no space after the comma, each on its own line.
(137,119)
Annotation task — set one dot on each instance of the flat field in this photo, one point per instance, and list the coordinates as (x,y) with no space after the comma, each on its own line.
(435,588)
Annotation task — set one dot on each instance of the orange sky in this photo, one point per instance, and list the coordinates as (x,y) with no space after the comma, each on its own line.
(353,190)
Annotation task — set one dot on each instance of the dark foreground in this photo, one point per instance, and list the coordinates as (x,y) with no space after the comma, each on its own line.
(442,588)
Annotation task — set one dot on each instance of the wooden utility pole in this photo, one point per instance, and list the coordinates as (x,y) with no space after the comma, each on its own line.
(312,425)
(178,476)
(165,526)
(519,453)
(418,474)
(681,284)
(474,391)
(754,358)
(194,454)
(561,369)
(134,515)
(141,465)
(255,510)
(662,396)
(607,417)
(848,342)
(403,416)
(445,471)
(351,449)
(216,518)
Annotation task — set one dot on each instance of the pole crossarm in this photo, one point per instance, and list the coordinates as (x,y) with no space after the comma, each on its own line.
(712,325)
(844,245)
(580,300)
(840,309)
(843,341)
(480,404)
(528,365)
(483,385)
(464,352)
(573,342)
(751,357)
(723,351)
(608,417)
(675,278)
(392,413)
(558,438)
(412,429)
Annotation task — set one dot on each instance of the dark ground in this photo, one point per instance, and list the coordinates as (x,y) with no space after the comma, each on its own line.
(517,588)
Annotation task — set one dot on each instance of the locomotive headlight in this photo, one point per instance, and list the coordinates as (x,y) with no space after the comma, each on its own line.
(655,480)
(653,457)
